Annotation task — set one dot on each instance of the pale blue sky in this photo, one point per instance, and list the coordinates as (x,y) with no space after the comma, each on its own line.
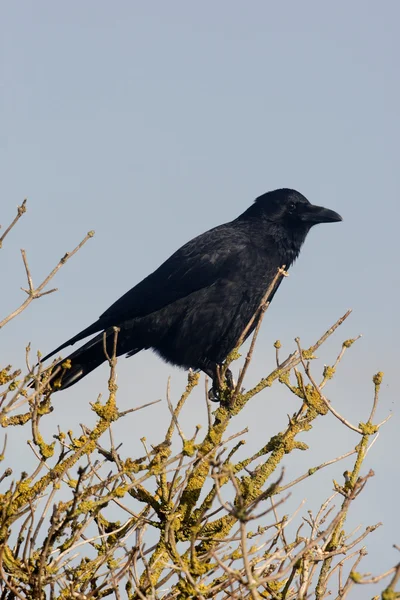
(152,122)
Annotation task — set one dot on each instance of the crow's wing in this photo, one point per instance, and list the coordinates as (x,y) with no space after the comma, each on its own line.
(198,264)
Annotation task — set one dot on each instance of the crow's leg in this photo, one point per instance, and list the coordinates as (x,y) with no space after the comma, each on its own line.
(210,368)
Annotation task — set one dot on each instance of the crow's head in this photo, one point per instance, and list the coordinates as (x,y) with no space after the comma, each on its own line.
(290,208)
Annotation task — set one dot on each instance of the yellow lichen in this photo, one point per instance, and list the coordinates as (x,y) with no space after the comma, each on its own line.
(14,385)
(189,448)
(46,450)
(108,411)
(15,420)
(5,377)
(314,400)
(276,585)
(120,491)
(377,378)
(368,428)
(308,354)
(329,372)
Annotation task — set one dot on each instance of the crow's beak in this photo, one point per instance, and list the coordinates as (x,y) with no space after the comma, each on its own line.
(318,214)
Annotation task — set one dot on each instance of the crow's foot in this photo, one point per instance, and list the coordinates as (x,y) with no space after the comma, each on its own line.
(214,394)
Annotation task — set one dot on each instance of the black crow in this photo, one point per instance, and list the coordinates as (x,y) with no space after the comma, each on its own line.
(194,307)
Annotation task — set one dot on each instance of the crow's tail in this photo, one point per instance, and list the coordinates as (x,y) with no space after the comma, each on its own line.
(80,363)
(85,359)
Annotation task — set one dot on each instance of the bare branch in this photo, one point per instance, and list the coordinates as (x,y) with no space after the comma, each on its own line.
(38,292)
(21,210)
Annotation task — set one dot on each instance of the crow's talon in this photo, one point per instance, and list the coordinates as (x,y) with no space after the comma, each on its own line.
(213,395)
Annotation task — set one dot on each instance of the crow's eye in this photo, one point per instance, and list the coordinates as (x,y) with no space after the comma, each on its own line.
(292,207)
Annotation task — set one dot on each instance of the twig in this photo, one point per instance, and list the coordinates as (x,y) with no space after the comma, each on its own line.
(390,591)
(28,274)
(345,347)
(20,212)
(263,307)
(131,410)
(377,379)
(377,578)
(264,301)
(33,294)
(293,360)
(313,470)
(174,415)
(317,389)
(251,582)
